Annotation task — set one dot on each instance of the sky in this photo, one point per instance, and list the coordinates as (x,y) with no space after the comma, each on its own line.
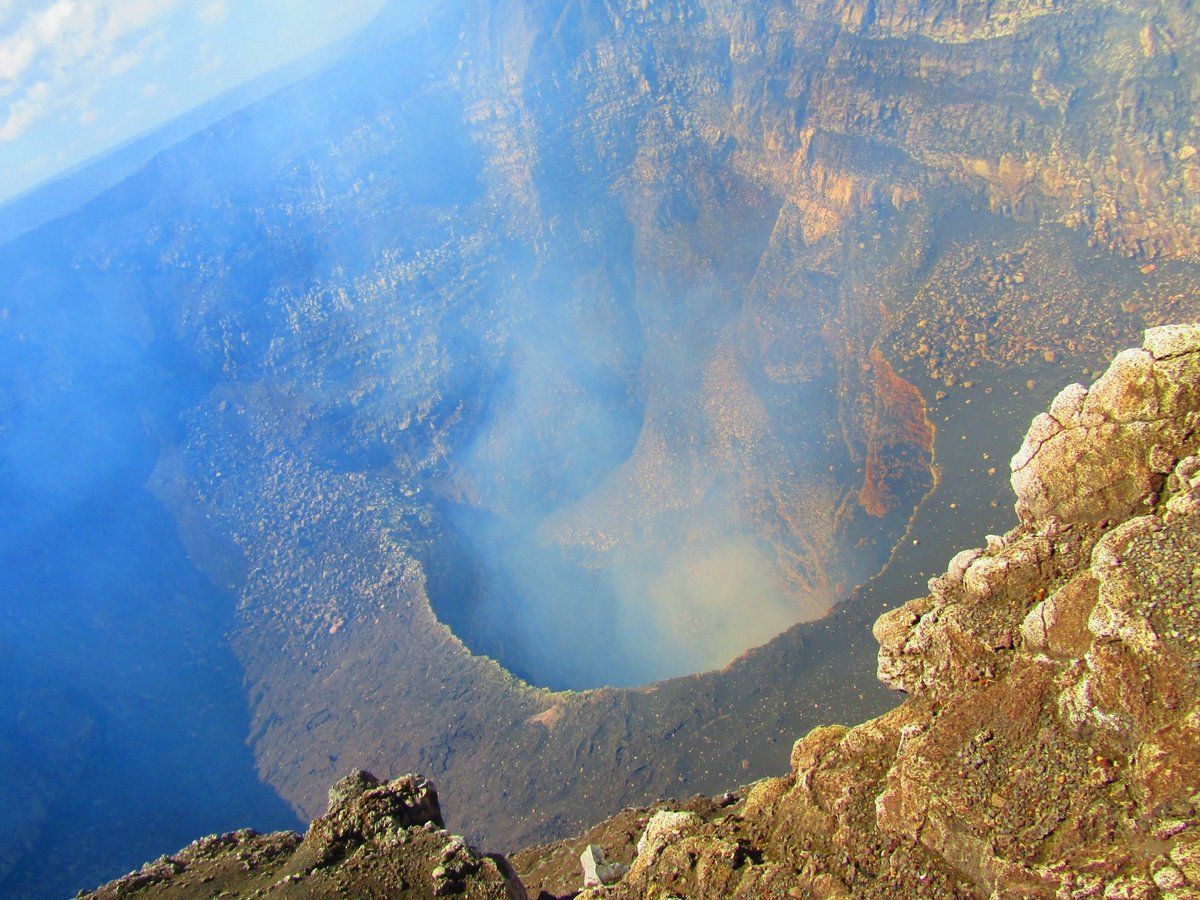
(78,77)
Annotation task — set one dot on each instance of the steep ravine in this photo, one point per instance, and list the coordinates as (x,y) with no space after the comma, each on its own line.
(1046,745)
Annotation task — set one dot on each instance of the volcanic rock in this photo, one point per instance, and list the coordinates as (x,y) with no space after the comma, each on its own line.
(1046,748)
(772,249)
(596,869)
(1104,452)
(1047,744)
(378,839)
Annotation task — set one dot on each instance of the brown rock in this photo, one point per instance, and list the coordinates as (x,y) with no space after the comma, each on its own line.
(378,839)
(1096,455)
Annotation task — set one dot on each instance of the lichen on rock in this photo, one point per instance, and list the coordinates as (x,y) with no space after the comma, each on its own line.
(1102,452)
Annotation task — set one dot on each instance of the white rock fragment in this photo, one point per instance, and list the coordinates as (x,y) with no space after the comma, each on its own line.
(1043,427)
(597,870)
(985,576)
(959,564)
(1068,405)
(1035,626)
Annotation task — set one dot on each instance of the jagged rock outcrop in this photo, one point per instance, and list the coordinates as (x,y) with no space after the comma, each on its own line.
(378,839)
(1105,452)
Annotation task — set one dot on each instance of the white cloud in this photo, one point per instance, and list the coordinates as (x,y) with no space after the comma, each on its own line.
(57,54)
(20,116)
(38,163)
(162,49)
(7,8)
(26,111)
(49,22)
(126,61)
(67,32)
(131,16)
(17,52)
(214,13)
(76,73)
(210,59)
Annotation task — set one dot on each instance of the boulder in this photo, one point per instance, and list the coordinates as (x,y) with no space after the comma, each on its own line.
(596,870)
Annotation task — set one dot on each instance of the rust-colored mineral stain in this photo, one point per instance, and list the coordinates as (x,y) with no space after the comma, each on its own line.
(898,434)
(548,718)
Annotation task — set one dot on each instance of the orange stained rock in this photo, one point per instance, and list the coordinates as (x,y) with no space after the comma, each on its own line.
(548,718)
(898,426)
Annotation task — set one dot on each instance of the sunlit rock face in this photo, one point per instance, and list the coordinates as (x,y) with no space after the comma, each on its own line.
(596,344)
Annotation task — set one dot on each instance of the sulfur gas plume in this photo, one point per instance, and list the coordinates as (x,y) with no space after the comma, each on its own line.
(632,503)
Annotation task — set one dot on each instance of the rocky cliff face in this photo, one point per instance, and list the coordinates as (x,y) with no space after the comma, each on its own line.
(1047,744)
(923,196)
(696,301)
